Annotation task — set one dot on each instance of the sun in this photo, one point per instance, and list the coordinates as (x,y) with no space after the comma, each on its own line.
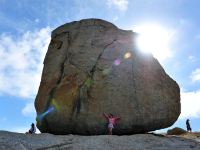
(155,39)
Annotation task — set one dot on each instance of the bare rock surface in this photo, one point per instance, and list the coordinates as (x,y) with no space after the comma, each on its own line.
(92,67)
(192,135)
(46,141)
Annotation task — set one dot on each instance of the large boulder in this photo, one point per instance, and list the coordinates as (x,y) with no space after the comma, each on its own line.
(92,67)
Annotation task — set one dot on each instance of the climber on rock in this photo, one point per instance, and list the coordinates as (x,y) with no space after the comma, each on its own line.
(112,120)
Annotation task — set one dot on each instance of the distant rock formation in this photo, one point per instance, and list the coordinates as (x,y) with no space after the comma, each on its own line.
(176,131)
(92,67)
(46,141)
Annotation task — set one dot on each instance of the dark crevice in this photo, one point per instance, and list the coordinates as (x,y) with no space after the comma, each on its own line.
(98,58)
(81,96)
(77,103)
(94,68)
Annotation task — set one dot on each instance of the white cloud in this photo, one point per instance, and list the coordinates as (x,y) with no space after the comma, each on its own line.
(195,76)
(192,58)
(29,110)
(190,105)
(22,61)
(122,5)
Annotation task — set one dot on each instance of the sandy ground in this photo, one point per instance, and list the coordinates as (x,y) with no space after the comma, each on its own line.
(192,135)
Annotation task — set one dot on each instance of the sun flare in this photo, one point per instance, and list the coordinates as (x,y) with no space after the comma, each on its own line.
(154,39)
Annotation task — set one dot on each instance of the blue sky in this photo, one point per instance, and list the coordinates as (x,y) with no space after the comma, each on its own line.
(25,30)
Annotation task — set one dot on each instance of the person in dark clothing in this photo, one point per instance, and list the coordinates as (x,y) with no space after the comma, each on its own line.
(189,129)
(32,129)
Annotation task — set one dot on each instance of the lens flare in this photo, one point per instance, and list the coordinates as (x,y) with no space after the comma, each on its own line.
(41,116)
(155,39)
(127,55)
(117,62)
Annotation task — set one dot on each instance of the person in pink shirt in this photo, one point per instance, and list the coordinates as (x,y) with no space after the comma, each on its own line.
(112,120)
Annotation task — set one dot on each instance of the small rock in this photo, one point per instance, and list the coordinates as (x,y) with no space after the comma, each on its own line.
(176,131)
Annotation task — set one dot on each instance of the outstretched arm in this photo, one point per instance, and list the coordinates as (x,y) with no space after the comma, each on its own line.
(117,118)
(106,116)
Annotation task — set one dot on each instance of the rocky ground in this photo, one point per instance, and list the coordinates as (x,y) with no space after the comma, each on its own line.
(194,136)
(19,141)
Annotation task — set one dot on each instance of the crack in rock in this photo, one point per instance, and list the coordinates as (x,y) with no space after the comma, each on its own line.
(84,89)
(66,145)
(98,58)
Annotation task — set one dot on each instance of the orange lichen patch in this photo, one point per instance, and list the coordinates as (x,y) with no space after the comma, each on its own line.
(66,93)
(43,95)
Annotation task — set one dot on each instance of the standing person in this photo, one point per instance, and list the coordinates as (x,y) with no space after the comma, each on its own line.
(112,120)
(189,129)
(32,129)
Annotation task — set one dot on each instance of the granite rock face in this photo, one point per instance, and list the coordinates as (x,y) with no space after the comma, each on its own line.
(92,67)
(46,141)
